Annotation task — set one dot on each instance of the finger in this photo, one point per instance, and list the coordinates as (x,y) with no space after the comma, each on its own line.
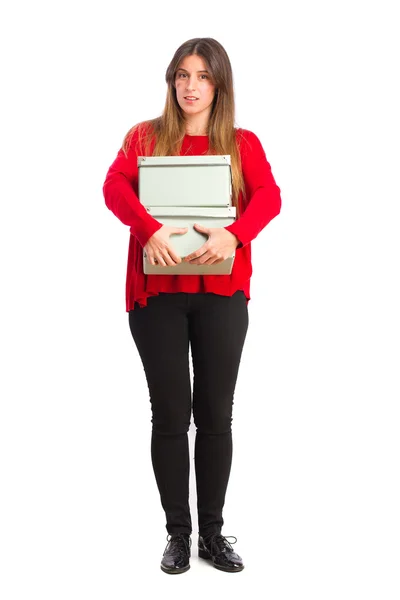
(201,260)
(211,258)
(164,260)
(202,228)
(175,257)
(196,254)
(214,261)
(158,261)
(170,258)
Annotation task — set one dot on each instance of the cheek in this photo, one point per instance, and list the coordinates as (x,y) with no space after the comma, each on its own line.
(210,92)
(210,96)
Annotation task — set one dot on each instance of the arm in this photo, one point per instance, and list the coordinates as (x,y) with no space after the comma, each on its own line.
(265,198)
(122,200)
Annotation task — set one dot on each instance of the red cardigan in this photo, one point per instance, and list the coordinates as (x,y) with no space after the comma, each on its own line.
(120,191)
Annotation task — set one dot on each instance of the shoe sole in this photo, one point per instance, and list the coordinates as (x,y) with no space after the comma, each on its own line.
(206,556)
(174,571)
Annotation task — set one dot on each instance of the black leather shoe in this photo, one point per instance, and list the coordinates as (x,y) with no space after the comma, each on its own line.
(177,553)
(216,547)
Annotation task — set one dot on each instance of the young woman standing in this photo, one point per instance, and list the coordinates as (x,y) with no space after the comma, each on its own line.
(209,312)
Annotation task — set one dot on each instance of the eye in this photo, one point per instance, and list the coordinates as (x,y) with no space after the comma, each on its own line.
(184,75)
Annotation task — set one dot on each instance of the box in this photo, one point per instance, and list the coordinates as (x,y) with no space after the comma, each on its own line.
(182,190)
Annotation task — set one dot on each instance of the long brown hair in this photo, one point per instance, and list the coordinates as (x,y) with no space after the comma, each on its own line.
(169,129)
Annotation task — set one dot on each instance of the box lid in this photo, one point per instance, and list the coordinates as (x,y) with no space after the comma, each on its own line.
(201,160)
(192,211)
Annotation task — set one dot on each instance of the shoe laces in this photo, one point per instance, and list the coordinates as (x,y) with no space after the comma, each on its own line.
(179,544)
(218,543)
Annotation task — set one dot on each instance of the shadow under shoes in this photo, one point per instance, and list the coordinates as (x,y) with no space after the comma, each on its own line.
(177,553)
(216,547)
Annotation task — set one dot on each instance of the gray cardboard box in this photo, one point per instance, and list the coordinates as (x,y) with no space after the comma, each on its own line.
(180,191)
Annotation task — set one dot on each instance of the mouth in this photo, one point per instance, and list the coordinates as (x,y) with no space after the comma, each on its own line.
(190,98)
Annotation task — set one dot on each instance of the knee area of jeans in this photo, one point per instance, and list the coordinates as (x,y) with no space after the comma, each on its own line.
(170,431)
(213,430)
(213,426)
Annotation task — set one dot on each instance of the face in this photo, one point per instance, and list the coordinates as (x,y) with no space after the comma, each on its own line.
(192,79)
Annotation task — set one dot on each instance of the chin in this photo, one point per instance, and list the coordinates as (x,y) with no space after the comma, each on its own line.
(185,110)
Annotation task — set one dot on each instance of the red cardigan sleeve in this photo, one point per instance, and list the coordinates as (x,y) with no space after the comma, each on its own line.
(264,195)
(121,198)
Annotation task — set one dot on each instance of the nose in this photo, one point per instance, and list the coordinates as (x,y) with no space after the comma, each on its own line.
(190,83)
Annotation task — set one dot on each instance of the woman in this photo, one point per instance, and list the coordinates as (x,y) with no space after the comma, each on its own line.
(209,312)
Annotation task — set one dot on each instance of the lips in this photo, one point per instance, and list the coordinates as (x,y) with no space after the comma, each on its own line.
(190,98)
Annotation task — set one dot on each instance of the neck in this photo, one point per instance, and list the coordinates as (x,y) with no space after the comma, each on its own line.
(194,132)
(197,124)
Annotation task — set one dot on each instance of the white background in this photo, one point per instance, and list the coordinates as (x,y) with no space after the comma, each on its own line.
(314,490)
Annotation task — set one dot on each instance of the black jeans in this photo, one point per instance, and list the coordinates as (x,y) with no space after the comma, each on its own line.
(216,328)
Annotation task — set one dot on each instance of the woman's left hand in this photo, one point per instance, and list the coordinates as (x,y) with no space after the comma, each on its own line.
(219,246)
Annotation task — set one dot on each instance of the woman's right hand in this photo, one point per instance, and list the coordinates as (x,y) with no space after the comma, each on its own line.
(158,249)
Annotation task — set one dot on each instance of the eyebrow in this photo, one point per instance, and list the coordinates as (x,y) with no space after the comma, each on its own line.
(180,69)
